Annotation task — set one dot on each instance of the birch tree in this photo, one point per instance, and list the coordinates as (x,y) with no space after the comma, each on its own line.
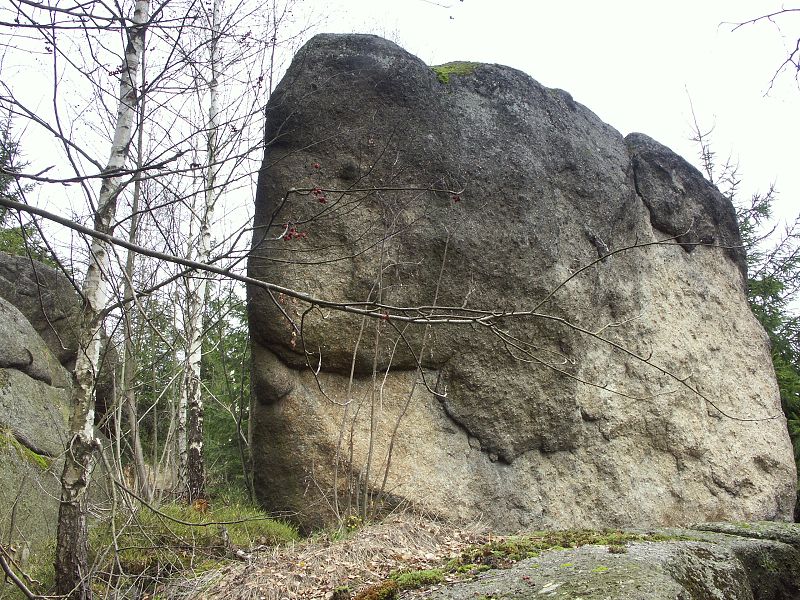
(85,111)
(234,57)
(72,565)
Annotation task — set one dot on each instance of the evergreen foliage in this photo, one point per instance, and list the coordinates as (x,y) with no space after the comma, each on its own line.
(226,387)
(17,237)
(773,281)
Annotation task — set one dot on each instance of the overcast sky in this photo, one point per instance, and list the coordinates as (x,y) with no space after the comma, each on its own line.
(633,62)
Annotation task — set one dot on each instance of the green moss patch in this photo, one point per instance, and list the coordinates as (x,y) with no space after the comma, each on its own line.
(385,590)
(504,552)
(7,440)
(500,554)
(410,580)
(462,69)
(401,580)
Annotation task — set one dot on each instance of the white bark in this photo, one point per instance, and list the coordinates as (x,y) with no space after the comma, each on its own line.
(180,417)
(72,547)
(198,289)
(142,480)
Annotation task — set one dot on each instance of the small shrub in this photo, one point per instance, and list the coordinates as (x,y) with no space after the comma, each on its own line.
(353,522)
(341,593)
(385,590)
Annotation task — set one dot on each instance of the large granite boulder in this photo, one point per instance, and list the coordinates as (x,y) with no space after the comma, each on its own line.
(589,357)
(39,312)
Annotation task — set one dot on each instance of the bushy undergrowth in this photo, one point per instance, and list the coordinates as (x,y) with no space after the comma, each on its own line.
(145,547)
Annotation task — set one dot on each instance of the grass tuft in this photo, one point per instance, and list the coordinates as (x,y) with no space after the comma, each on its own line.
(153,545)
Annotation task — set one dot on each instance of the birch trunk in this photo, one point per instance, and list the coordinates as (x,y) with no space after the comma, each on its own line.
(142,483)
(196,477)
(71,563)
(183,401)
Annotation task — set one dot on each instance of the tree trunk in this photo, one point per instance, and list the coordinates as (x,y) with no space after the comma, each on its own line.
(181,414)
(142,483)
(71,563)
(196,473)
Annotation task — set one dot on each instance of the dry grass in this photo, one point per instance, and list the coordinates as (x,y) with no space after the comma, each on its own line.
(313,568)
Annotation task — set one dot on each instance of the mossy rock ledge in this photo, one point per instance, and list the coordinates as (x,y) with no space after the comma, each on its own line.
(34,399)
(746,561)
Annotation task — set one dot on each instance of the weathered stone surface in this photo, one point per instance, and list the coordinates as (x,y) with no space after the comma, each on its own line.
(48,301)
(34,393)
(714,566)
(22,348)
(636,390)
(664,183)
(34,400)
(35,390)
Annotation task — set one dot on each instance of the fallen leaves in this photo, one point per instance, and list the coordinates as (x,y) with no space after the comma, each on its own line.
(314,568)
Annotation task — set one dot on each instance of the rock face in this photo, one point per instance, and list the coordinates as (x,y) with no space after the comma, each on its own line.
(751,561)
(588,357)
(39,311)
(34,402)
(52,305)
(48,301)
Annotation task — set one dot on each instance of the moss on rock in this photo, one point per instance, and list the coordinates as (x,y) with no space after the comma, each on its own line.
(462,69)
(7,440)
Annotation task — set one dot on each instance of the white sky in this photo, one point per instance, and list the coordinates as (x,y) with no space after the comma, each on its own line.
(629,61)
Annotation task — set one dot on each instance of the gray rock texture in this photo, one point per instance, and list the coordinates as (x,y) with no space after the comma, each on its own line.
(604,368)
(699,566)
(47,299)
(52,305)
(34,403)
(39,312)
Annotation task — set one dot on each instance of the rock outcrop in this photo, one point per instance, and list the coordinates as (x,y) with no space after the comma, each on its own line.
(39,312)
(47,299)
(744,562)
(52,305)
(34,403)
(546,325)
